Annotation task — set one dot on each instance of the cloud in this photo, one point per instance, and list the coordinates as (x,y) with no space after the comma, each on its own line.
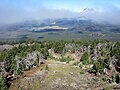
(109,14)
(9,15)
(12,15)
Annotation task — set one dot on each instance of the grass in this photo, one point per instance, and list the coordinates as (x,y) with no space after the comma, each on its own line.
(106,88)
(46,67)
(76,63)
(62,73)
(82,72)
(65,59)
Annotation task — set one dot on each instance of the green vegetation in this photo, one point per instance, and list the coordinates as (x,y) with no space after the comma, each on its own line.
(37,61)
(46,67)
(76,63)
(116,50)
(97,53)
(3,83)
(85,58)
(106,88)
(98,67)
(64,59)
(117,79)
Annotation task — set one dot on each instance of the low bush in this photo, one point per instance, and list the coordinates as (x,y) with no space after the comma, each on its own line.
(76,63)
(64,59)
(46,67)
(3,83)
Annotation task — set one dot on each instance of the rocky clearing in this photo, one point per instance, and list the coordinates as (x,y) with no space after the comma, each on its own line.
(60,76)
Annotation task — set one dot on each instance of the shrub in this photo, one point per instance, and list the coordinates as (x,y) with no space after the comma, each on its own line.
(106,88)
(81,65)
(116,51)
(117,79)
(19,72)
(113,78)
(98,67)
(76,63)
(68,59)
(3,84)
(82,72)
(85,58)
(37,61)
(46,67)
(64,59)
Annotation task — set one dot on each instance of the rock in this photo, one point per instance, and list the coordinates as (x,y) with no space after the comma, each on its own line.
(49,64)
(63,84)
(76,66)
(59,79)
(117,87)
(63,63)
(74,85)
(54,71)
(105,71)
(67,85)
(65,77)
(71,73)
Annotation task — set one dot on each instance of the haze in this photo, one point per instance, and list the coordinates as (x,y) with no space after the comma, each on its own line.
(13,11)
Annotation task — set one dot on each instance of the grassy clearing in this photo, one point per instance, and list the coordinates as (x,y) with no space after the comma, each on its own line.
(62,76)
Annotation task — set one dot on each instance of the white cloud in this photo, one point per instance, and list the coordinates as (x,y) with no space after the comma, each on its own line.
(11,15)
(105,14)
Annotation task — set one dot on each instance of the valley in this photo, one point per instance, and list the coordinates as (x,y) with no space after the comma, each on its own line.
(59,44)
(67,29)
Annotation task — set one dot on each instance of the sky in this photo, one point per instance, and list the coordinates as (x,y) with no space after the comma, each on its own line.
(12,11)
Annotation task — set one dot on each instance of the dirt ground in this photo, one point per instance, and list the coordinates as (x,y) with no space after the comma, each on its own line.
(61,76)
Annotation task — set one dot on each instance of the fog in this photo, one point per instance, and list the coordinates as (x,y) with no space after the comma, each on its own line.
(109,14)
(12,15)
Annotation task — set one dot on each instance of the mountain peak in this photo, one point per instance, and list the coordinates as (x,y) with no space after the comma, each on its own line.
(88,10)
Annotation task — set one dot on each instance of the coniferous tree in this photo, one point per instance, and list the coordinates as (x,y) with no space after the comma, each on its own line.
(3,84)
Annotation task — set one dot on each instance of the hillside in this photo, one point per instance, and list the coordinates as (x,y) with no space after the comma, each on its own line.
(66,65)
(61,76)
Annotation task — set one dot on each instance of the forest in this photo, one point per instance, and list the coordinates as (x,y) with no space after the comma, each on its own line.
(103,55)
